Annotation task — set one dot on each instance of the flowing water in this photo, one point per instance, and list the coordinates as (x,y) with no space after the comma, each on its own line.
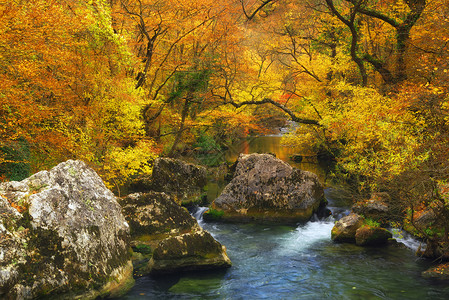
(282,262)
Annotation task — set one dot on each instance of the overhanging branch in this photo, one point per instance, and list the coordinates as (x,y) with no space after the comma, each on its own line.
(278,105)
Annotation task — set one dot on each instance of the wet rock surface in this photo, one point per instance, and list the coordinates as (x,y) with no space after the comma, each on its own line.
(62,232)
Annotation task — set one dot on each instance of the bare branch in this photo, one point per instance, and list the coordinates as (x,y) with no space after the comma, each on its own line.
(278,105)
(250,17)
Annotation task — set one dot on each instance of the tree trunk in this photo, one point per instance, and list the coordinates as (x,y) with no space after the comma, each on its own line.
(184,113)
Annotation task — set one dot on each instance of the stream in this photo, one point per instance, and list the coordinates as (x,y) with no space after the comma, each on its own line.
(283,262)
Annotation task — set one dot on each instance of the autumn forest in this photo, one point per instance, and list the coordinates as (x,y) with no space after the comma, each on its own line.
(117,83)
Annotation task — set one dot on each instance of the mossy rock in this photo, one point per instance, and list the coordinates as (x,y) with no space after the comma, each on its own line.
(372,236)
(213,215)
(345,229)
(187,252)
(65,236)
(156,214)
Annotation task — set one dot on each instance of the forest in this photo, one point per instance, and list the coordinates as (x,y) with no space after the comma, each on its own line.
(117,83)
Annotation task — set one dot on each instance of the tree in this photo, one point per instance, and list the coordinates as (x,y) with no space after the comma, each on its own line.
(64,91)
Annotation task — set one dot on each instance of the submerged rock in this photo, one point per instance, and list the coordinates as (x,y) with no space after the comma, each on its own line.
(166,238)
(184,182)
(345,229)
(62,232)
(266,189)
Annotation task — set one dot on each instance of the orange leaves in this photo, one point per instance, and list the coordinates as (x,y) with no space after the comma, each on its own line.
(63,86)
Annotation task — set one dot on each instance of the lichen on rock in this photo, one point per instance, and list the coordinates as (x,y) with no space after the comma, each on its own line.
(166,238)
(266,189)
(183,181)
(64,234)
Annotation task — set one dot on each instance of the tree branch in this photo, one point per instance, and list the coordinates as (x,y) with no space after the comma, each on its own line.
(278,105)
(354,35)
(250,17)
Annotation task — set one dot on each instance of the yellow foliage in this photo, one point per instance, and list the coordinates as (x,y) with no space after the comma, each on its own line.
(120,164)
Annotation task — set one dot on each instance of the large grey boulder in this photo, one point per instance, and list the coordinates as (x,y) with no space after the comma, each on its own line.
(183,181)
(167,239)
(266,189)
(62,233)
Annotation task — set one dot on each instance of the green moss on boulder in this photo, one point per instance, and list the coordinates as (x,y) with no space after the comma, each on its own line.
(372,236)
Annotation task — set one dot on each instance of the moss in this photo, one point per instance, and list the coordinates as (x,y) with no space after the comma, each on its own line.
(213,215)
(371,223)
(202,200)
(142,248)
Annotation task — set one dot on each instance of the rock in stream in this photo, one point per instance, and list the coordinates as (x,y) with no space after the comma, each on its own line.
(266,189)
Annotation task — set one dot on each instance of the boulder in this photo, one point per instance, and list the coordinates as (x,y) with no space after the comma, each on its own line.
(62,233)
(440,272)
(190,251)
(376,208)
(345,229)
(184,182)
(166,238)
(372,236)
(425,219)
(266,189)
(156,214)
